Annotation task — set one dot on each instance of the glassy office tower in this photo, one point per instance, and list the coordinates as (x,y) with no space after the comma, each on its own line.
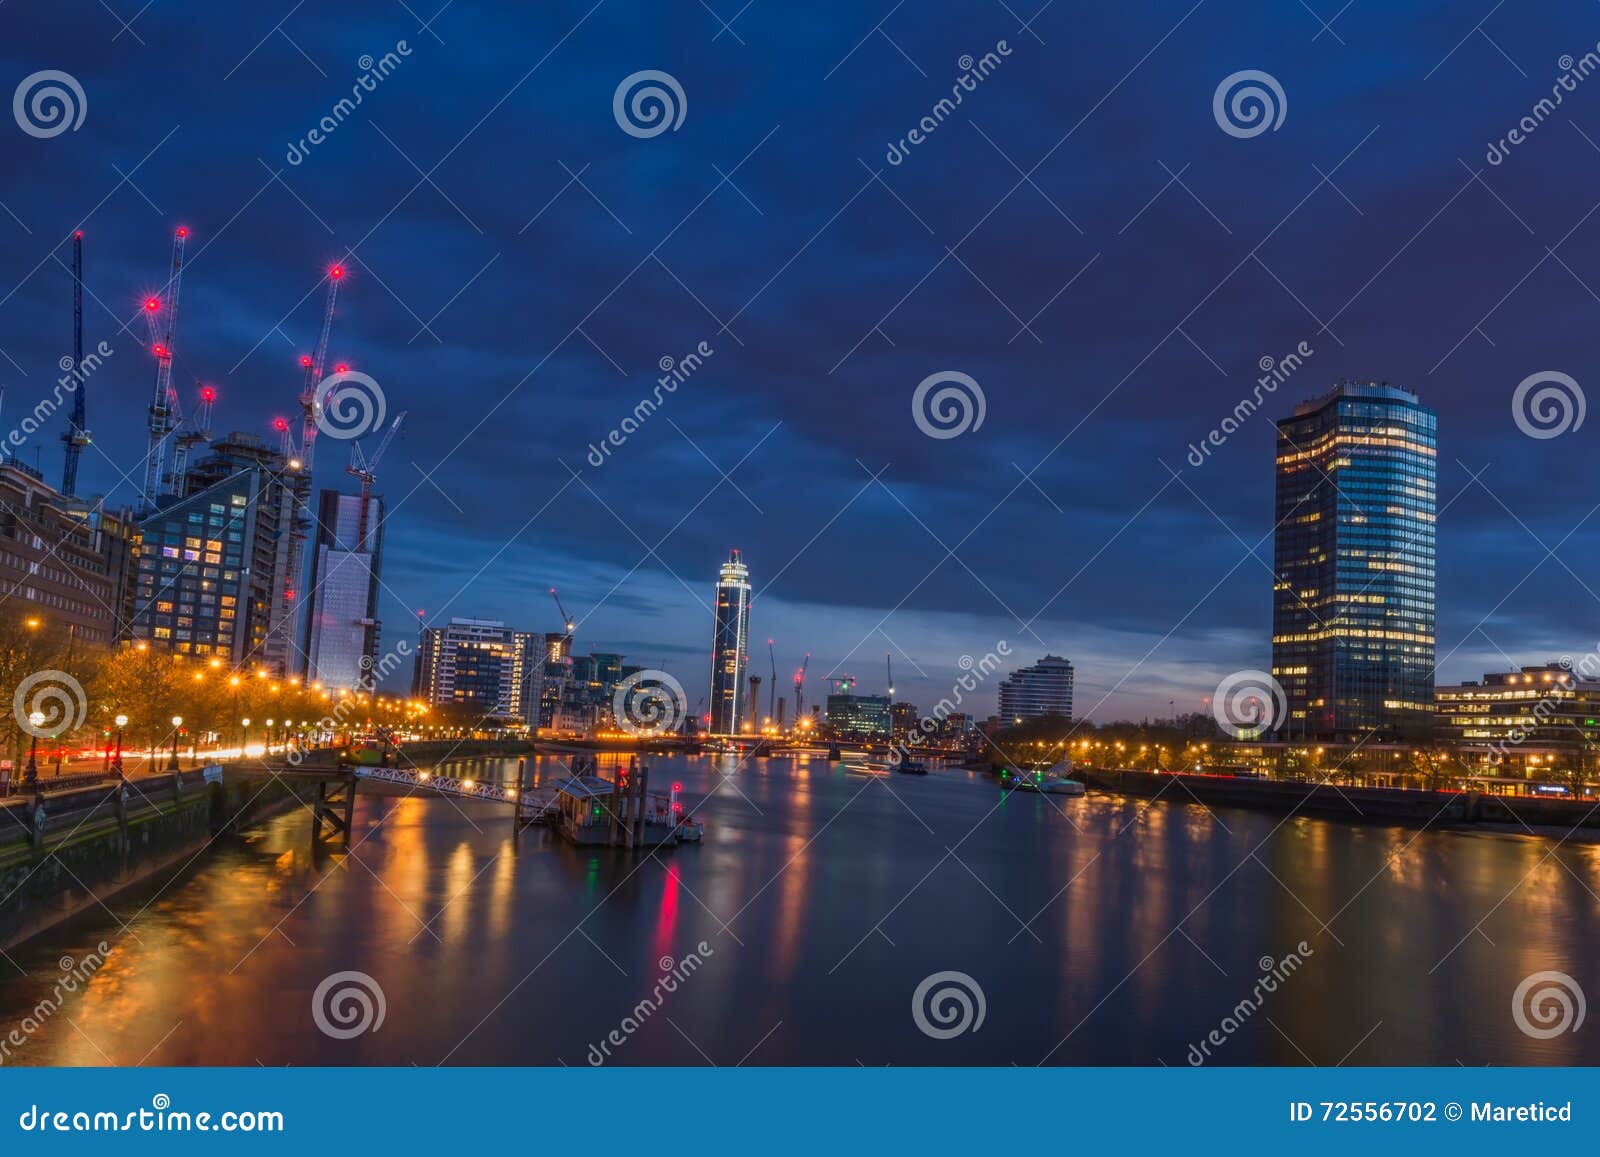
(341,639)
(859,718)
(729,646)
(1353,565)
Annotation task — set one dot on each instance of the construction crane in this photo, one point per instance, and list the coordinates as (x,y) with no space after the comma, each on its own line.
(772,691)
(888,666)
(285,437)
(565,672)
(297,460)
(163,402)
(77,435)
(191,433)
(366,469)
(800,689)
(572,624)
(313,364)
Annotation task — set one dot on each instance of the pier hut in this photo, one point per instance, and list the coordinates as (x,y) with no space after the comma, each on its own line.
(621,813)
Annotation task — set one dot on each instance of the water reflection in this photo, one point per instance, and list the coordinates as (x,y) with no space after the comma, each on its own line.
(1103,930)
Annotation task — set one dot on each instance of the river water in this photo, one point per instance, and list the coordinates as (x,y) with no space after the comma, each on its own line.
(1101,930)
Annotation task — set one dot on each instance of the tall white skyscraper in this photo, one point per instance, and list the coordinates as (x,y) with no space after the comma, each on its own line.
(730,645)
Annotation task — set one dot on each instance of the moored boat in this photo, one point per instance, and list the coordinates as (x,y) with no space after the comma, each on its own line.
(1053,780)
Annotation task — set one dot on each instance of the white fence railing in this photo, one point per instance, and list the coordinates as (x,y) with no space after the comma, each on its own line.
(532,803)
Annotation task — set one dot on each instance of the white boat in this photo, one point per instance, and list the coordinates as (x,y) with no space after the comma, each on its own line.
(863,767)
(1051,781)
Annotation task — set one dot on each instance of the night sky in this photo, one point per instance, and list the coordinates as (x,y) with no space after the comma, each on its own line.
(1080,237)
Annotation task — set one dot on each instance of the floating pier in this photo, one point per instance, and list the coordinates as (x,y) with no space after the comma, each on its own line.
(621,813)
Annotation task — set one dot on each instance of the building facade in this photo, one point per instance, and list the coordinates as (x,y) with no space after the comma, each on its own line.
(1033,692)
(479,665)
(904,719)
(730,644)
(1353,565)
(341,605)
(74,565)
(859,718)
(1533,720)
(554,675)
(212,575)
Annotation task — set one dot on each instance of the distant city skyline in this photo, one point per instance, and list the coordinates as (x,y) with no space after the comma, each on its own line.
(1105,347)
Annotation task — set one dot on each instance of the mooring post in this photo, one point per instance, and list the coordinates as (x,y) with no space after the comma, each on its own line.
(615,801)
(349,804)
(36,826)
(119,797)
(627,814)
(639,821)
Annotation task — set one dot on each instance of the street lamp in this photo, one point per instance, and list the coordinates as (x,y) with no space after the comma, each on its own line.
(35,721)
(244,736)
(269,736)
(122,722)
(177,722)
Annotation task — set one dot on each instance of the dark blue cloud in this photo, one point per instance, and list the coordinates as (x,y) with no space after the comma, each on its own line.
(518,298)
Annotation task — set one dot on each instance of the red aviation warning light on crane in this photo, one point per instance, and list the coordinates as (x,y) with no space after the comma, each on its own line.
(163,403)
(313,366)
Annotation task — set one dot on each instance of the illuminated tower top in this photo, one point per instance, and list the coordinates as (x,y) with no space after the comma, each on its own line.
(734,571)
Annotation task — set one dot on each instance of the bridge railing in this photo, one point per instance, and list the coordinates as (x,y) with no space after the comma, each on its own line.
(425,780)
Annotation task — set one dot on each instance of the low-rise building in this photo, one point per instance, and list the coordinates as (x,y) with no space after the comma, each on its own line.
(1527,721)
(72,561)
(859,718)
